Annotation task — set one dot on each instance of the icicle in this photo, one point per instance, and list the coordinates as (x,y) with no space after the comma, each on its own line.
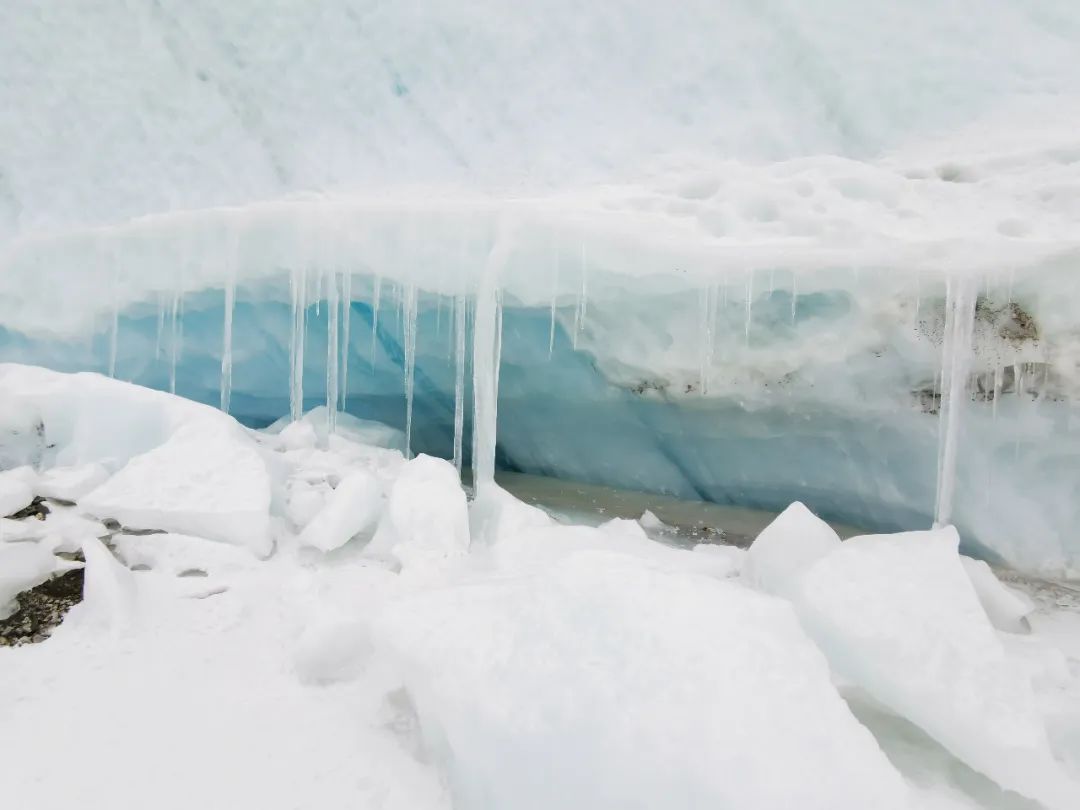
(114,336)
(918,295)
(459,380)
(956,362)
(486,347)
(794,296)
(114,331)
(298,285)
(375,295)
(332,322)
(346,330)
(160,324)
(554,300)
(998,385)
(409,325)
(583,298)
(438,315)
(707,315)
(749,304)
(227,333)
(175,336)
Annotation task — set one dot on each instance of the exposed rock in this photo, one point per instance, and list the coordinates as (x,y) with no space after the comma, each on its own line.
(41,609)
(37,510)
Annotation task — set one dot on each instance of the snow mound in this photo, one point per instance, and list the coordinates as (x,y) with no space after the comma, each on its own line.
(897,616)
(426,518)
(604,682)
(786,548)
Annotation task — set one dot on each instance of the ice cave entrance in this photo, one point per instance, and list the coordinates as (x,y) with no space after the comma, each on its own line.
(884,397)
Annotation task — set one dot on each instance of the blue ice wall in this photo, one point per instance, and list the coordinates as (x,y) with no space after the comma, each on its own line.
(560,416)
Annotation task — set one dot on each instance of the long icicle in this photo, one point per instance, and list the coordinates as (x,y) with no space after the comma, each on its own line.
(487,344)
(114,332)
(708,315)
(956,363)
(346,333)
(376,294)
(227,331)
(460,306)
(583,297)
(409,310)
(298,281)
(175,336)
(332,321)
(160,324)
(554,301)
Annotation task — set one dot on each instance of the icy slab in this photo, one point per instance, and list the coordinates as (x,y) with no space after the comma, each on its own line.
(204,480)
(353,507)
(635,688)
(897,616)
(1007,608)
(426,520)
(176,465)
(786,548)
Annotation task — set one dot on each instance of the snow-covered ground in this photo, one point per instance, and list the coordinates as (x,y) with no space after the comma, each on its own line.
(321,623)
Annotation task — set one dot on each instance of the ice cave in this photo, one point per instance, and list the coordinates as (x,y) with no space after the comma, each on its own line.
(493,405)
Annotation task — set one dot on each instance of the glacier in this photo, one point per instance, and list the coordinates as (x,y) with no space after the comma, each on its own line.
(745,253)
